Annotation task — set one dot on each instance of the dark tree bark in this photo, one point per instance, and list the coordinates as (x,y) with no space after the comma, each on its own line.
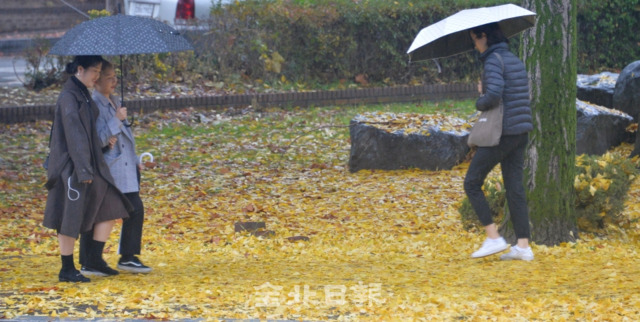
(550,55)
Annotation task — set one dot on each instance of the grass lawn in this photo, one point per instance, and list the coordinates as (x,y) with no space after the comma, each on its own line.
(383,245)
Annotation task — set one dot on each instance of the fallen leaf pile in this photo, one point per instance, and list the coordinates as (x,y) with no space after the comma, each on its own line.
(413,123)
(594,109)
(380,245)
(604,79)
(21,96)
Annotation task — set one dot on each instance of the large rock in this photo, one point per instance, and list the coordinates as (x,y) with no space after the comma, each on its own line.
(600,128)
(597,89)
(626,96)
(392,141)
(388,141)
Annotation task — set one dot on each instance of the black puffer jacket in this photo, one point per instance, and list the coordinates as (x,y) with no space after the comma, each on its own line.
(512,85)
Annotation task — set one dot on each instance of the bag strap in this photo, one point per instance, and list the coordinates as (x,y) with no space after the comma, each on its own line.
(501,63)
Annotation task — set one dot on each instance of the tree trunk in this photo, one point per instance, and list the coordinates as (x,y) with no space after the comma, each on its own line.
(550,52)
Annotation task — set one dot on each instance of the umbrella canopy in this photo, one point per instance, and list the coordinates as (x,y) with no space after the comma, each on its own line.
(450,36)
(120,35)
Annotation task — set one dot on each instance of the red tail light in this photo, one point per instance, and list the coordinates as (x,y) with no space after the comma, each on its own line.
(186,9)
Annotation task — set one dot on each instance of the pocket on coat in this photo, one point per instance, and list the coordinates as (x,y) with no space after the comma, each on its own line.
(112,157)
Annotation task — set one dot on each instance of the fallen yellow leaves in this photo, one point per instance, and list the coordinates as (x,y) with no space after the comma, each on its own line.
(413,123)
(383,245)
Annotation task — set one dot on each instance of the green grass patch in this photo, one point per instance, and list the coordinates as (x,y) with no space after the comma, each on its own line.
(276,135)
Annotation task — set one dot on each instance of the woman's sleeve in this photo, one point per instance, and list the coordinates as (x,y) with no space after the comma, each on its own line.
(493,83)
(107,127)
(77,137)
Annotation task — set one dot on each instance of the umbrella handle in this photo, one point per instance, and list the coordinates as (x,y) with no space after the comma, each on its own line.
(130,121)
(438,64)
(146,154)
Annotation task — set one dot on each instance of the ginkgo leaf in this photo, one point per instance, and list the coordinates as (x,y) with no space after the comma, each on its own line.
(367,246)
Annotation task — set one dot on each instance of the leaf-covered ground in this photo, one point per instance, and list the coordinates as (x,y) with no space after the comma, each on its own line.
(21,96)
(383,245)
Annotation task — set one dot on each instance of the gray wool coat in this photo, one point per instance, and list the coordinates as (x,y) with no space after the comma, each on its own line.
(121,159)
(75,156)
(510,84)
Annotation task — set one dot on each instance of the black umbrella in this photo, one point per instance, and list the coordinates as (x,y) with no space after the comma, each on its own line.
(120,35)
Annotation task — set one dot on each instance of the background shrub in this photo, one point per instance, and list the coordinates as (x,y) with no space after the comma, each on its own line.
(601,186)
(307,44)
(328,41)
(42,70)
(607,34)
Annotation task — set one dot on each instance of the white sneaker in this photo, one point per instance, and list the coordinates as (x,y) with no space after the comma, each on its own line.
(490,247)
(517,253)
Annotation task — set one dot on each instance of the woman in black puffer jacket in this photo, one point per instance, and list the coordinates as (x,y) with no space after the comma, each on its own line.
(504,78)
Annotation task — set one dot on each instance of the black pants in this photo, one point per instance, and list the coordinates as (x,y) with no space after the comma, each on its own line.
(131,234)
(510,154)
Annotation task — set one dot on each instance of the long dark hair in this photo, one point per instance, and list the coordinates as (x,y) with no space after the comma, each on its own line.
(84,61)
(493,32)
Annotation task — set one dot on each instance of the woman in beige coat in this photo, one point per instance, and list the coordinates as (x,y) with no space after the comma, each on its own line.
(119,153)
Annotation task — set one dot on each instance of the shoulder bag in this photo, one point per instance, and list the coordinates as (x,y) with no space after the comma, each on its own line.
(487,130)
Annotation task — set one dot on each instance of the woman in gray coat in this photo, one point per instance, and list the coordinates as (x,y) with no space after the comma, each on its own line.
(119,152)
(504,79)
(82,194)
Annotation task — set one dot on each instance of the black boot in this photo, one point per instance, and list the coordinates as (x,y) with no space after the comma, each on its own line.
(85,244)
(68,272)
(94,264)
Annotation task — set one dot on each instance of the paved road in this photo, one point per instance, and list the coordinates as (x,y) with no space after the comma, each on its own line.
(8,73)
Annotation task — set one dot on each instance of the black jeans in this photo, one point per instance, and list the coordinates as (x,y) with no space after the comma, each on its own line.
(130,235)
(510,154)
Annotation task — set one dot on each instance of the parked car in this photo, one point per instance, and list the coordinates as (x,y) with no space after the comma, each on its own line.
(181,14)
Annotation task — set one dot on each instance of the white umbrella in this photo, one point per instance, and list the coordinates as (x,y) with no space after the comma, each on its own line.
(450,36)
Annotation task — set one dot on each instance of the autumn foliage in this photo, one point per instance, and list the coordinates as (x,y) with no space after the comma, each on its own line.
(382,245)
